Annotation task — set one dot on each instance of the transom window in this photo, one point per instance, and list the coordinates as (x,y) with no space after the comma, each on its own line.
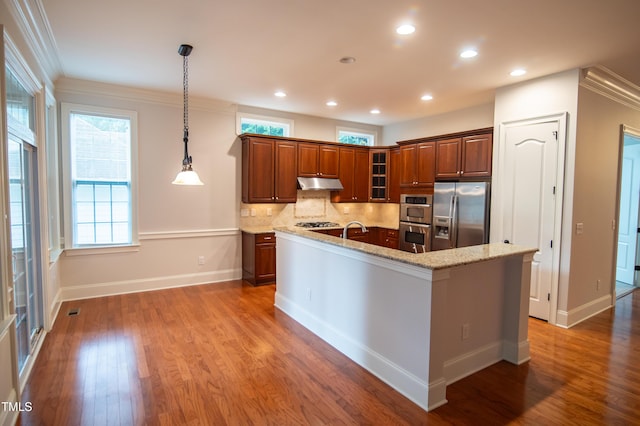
(262,125)
(101,149)
(355,137)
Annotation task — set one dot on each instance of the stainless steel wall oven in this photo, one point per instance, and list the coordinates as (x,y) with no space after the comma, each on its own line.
(415,222)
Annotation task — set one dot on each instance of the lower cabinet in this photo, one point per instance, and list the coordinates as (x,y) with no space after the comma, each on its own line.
(384,237)
(259,258)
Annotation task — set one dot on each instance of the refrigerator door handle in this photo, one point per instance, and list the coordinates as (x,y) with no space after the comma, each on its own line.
(454,222)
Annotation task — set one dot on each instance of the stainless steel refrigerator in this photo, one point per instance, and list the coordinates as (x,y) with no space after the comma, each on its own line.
(460,214)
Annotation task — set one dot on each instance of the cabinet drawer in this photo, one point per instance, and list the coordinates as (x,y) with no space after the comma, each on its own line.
(392,233)
(266,238)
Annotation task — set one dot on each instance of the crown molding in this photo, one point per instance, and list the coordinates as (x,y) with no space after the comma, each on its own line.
(609,84)
(134,94)
(32,21)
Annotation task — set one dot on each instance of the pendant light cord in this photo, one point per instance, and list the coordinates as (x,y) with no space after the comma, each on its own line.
(185,86)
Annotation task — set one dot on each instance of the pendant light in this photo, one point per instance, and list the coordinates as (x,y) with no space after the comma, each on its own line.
(187,176)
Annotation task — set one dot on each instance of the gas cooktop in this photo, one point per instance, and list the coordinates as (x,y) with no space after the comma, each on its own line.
(317,224)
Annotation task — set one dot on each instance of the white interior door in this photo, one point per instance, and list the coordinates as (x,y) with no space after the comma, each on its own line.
(528,205)
(628,220)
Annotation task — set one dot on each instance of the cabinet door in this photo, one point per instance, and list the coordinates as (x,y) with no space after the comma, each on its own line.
(286,172)
(407,165)
(394,176)
(328,161)
(476,155)
(426,163)
(361,175)
(265,262)
(347,162)
(260,171)
(448,158)
(308,159)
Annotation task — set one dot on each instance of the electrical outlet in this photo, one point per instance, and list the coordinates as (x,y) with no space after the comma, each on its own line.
(465,331)
(598,285)
(579,228)
(244,212)
(253,212)
(269,211)
(345,210)
(200,260)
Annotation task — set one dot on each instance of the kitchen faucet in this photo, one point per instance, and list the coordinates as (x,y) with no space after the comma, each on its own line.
(353,222)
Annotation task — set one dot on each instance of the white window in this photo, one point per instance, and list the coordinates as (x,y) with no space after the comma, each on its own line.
(355,136)
(100,159)
(263,125)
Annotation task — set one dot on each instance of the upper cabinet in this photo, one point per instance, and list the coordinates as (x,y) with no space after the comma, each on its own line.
(354,175)
(417,165)
(317,160)
(477,152)
(462,157)
(379,175)
(269,170)
(393,184)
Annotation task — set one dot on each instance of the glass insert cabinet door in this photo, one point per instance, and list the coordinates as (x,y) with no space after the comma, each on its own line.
(22,190)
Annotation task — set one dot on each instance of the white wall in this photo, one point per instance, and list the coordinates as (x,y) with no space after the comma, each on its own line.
(472,118)
(557,93)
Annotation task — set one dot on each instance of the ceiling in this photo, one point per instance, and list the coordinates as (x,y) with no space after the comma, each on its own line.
(245,50)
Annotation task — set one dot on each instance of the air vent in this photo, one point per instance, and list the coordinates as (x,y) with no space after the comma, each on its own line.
(73,312)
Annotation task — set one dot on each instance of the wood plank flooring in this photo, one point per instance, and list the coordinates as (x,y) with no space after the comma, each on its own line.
(221,354)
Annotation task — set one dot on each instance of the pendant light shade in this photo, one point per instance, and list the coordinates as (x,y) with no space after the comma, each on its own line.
(187,176)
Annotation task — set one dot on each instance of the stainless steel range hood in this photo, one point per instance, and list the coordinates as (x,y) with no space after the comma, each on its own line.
(313,183)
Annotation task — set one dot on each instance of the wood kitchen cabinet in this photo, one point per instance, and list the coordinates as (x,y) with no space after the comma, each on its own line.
(379,175)
(354,175)
(417,165)
(269,170)
(388,238)
(259,258)
(318,160)
(394,169)
(463,157)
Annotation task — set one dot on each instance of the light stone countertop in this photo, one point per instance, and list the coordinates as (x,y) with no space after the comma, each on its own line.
(268,228)
(439,259)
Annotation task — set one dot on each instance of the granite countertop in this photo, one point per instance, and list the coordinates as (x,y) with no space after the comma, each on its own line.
(439,259)
(268,228)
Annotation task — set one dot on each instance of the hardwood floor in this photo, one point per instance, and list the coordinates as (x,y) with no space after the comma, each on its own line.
(222,354)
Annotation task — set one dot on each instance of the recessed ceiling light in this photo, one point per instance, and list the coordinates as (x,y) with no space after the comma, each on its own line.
(405,29)
(347,60)
(280,94)
(426,97)
(518,72)
(469,53)
(332,103)
(375,111)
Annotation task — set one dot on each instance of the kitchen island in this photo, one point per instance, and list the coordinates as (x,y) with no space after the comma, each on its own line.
(417,321)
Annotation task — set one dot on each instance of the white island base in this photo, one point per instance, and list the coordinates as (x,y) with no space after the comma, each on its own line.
(417,324)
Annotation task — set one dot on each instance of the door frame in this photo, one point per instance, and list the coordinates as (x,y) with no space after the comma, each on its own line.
(497,202)
(635,132)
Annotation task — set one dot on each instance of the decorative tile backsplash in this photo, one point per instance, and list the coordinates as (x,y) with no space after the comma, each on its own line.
(317,206)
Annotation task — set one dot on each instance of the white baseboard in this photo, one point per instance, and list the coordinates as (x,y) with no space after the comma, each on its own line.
(9,417)
(471,362)
(569,319)
(414,388)
(146,284)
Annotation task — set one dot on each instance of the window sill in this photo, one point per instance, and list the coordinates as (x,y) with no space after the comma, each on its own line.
(86,251)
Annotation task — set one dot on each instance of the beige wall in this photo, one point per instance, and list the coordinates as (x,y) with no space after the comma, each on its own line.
(598,142)
(476,117)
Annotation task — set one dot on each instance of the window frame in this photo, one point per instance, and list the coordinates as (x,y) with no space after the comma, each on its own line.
(373,135)
(288,123)
(66,110)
